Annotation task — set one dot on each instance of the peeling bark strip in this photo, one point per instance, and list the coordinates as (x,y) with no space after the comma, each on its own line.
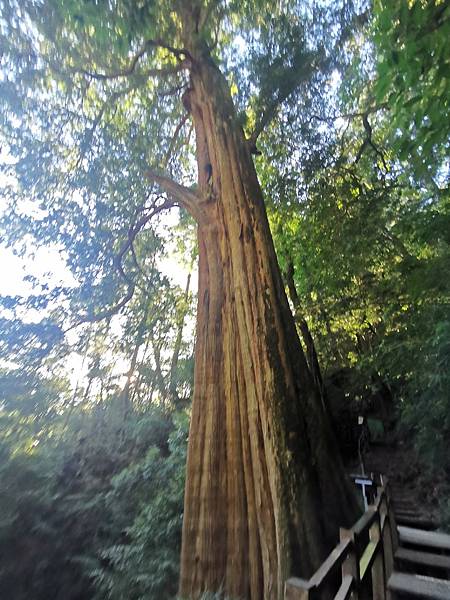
(265,488)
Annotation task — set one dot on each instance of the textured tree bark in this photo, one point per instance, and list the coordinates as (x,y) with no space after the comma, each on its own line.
(265,489)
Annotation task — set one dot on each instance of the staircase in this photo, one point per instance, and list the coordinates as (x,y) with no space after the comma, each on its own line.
(410,510)
(380,560)
(423,565)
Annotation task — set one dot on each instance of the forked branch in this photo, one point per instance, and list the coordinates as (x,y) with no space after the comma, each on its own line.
(369,142)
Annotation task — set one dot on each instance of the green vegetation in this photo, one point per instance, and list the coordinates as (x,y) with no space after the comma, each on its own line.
(92,505)
(96,372)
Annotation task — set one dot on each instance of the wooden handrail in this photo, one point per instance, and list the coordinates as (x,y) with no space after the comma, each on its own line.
(364,556)
(365,521)
(333,562)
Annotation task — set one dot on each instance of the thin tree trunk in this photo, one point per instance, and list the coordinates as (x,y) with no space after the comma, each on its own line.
(265,490)
(159,377)
(310,348)
(177,347)
(137,387)
(336,354)
(126,400)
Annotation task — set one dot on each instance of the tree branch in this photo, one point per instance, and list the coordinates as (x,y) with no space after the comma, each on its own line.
(293,77)
(178,52)
(351,115)
(302,68)
(369,142)
(126,72)
(183,195)
(177,346)
(206,13)
(89,133)
(107,313)
(174,139)
(132,233)
(129,70)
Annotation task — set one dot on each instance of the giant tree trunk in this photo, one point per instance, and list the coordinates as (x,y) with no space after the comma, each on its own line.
(265,490)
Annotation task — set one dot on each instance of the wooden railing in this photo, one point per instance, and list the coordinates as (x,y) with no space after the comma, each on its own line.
(361,564)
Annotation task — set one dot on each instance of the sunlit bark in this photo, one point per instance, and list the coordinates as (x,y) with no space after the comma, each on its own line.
(265,488)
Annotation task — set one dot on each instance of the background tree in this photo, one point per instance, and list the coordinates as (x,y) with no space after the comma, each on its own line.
(99,107)
(363,215)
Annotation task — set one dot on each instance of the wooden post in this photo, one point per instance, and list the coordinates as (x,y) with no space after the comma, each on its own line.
(391,539)
(361,540)
(378,572)
(351,564)
(386,536)
(297,589)
(392,523)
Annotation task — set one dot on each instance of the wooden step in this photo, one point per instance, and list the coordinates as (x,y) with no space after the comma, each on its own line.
(408,512)
(404,502)
(416,522)
(425,559)
(397,502)
(428,539)
(419,586)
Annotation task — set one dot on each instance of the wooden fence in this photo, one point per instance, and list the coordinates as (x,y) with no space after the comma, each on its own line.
(361,564)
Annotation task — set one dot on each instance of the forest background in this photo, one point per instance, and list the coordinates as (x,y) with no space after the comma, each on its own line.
(96,370)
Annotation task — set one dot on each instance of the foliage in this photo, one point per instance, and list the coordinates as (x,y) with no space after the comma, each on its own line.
(364,224)
(353,109)
(430,383)
(414,79)
(100,506)
(145,564)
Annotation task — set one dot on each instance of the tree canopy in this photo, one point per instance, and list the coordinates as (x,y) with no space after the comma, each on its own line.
(344,108)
